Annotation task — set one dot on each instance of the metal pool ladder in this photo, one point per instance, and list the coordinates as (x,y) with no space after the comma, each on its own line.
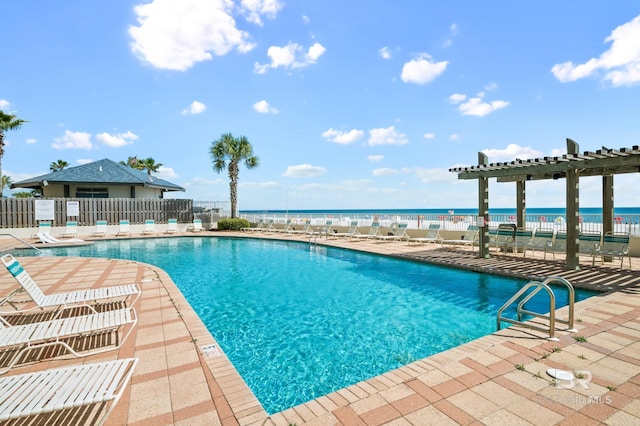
(537,286)
(20,240)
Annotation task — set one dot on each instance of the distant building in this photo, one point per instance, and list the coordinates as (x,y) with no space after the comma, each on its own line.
(100,179)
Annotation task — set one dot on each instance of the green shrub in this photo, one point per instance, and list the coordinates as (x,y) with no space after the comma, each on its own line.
(232,224)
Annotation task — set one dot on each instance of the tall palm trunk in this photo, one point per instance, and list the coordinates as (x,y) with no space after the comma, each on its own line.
(1,155)
(233,186)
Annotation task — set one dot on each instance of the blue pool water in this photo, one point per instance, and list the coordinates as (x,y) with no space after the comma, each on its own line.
(299,322)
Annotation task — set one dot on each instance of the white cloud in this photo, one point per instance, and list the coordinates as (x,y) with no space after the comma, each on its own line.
(511,152)
(343,138)
(117,140)
(454,137)
(385,171)
(195,108)
(303,171)
(557,152)
(254,9)
(290,56)
(17,177)
(175,35)
(375,158)
(385,53)
(422,69)
(435,175)
(73,140)
(388,136)
(306,19)
(457,98)
(315,51)
(82,161)
(620,64)
(166,173)
(429,136)
(30,141)
(491,86)
(260,185)
(453,30)
(263,107)
(476,106)
(4,105)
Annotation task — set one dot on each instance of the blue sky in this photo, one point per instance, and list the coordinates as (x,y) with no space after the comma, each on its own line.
(348,104)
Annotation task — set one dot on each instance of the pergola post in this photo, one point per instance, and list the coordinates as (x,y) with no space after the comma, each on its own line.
(483,209)
(573,211)
(607,204)
(521,208)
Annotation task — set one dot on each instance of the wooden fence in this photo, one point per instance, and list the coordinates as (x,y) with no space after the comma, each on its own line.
(21,212)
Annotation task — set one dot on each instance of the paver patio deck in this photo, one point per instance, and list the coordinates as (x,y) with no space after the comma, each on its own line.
(497,379)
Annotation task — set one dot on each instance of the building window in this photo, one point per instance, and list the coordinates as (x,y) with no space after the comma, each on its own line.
(92,193)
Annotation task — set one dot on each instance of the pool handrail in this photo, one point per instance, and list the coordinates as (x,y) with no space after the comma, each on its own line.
(537,285)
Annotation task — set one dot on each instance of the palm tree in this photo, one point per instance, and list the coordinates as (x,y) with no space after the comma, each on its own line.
(150,165)
(56,166)
(7,122)
(226,153)
(6,181)
(133,162)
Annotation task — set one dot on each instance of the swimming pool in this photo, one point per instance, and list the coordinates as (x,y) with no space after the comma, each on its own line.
(300,321)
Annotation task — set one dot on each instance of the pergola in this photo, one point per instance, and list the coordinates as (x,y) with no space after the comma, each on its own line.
(571,166)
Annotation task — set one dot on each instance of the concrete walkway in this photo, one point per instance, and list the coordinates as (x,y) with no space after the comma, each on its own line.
(184,378)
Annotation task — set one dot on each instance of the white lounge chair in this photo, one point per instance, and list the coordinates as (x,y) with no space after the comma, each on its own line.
(542,240)
(43,228)
(351,231)
(149,227)
(521,241)
(196,226)
(501,237)
(374,231)
(432,236)
(614,246)
(50,239)
(288,226)
(325,230)
(258,227)
(172,226)
(70,230)
(468,239)
(306,229)
(560,242)
(60,301)
(398,233)
(124,228)
(101,229)
(18,339)
(269,226)
(49,391)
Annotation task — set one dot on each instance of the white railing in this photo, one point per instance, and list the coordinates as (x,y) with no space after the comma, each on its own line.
(588,223)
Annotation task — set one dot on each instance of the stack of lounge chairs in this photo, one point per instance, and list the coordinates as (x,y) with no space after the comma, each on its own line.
(68,323)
